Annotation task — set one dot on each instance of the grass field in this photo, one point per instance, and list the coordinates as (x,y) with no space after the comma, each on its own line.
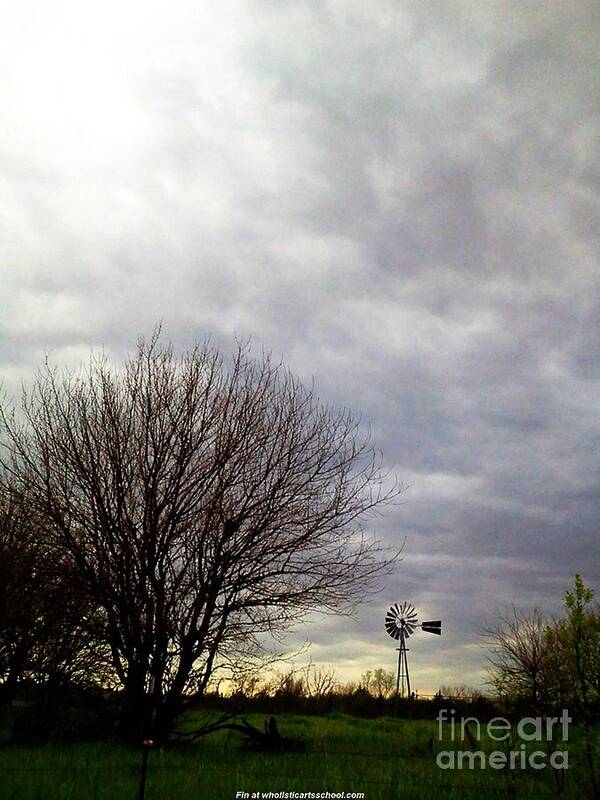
(382,758)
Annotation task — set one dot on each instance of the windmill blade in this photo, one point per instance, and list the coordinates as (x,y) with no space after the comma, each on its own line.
(391,624)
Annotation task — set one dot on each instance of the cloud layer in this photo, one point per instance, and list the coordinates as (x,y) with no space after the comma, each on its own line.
(400,198)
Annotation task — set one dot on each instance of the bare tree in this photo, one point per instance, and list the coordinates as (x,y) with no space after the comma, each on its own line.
(319,681)
(288,684)
(460,692)
(383,683)
(346,689)
(203,506)
(366,681)
(378,683)
(519,657)
(247,684)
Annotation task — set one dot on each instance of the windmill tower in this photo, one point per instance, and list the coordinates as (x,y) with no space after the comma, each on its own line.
(400,623)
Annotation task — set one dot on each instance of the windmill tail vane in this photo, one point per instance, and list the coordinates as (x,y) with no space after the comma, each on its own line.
(434,626)
(400,623)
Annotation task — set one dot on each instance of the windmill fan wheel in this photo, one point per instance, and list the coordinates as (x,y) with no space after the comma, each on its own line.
(401,621)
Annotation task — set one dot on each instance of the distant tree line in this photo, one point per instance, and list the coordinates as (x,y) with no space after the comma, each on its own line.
(315,689)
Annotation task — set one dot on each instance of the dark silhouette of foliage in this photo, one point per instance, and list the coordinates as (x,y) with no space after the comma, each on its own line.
(50,631)
(200,506)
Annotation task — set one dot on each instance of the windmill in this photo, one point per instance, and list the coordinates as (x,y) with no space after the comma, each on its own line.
(400,623)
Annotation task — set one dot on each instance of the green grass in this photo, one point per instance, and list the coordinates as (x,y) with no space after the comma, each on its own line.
(383,758)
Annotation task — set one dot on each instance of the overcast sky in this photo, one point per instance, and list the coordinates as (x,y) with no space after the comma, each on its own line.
(400,198)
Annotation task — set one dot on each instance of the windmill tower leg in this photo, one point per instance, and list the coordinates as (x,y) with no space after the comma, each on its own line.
(406,670)
(398,680)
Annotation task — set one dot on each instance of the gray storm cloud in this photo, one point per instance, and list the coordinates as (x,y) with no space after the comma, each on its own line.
(400,198)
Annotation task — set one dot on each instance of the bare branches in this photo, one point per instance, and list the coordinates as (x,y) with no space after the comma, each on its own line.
(203,504)
(519,655)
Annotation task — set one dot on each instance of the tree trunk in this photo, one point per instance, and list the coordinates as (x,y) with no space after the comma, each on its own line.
(167,713)
(7,688)
(136,713)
